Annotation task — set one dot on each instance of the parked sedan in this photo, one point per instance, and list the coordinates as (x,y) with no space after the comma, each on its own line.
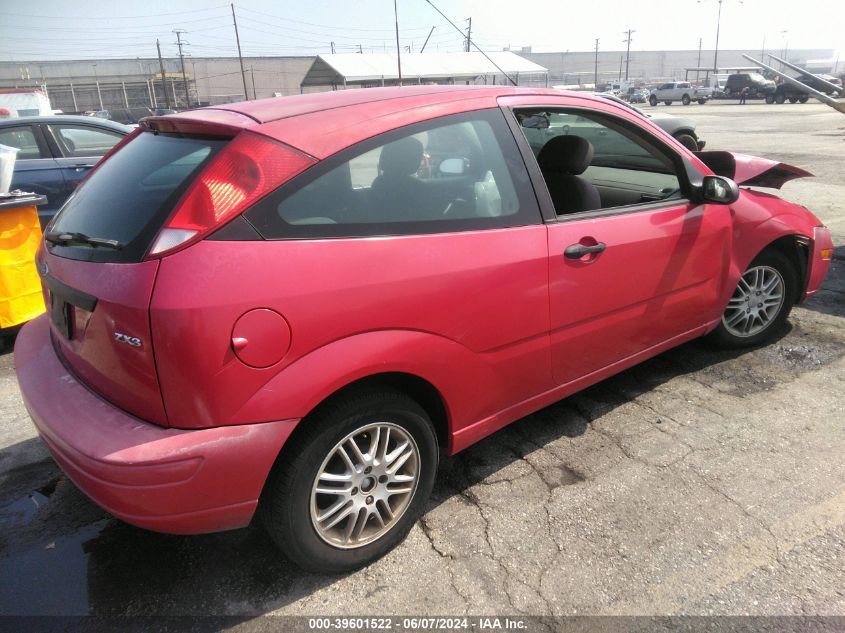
(56,153)
(264,307)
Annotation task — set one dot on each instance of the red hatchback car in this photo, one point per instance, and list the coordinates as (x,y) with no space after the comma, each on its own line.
(294,305)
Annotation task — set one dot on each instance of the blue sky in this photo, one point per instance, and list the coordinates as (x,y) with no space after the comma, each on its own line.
(75,29)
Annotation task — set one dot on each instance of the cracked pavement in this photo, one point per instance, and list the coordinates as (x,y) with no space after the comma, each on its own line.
(700,482)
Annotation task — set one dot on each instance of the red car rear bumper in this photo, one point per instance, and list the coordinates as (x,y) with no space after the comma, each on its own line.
(163,479)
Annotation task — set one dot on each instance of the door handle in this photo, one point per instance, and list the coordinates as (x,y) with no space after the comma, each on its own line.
(82,166)
(577,251)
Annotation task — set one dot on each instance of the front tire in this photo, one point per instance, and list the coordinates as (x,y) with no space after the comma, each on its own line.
(686,100)
(668,102)
(760,304)
(349,489)
(652,100)
(688,141)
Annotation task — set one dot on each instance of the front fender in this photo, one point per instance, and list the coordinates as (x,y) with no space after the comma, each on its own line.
(759,220)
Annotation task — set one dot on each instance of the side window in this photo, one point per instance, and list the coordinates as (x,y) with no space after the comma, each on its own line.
(458,173)
(23,138)
(83,140)
(590,163)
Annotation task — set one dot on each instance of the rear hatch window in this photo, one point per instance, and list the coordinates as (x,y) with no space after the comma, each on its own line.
(119,209)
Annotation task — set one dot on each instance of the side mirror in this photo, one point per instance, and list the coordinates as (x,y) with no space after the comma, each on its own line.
(719,190)
(452,166)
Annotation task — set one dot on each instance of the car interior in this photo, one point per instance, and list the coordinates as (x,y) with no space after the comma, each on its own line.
(455,171)
(589,165)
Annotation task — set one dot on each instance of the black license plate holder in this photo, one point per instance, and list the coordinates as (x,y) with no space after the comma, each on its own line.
(60,315)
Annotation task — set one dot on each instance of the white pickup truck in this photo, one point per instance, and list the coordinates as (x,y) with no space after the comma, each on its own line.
(682,91)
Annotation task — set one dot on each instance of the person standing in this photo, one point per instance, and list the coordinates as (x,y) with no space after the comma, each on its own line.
(742,95)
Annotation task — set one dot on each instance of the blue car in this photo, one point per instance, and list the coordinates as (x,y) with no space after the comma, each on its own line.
(56,152)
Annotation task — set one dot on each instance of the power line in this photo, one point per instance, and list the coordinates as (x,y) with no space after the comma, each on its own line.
(343,28)
(113,17)
(486,56)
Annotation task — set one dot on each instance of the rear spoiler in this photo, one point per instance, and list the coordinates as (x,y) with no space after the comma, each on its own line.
(751,171)
(203,122)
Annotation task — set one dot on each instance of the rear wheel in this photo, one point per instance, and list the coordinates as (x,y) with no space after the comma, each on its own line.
(686,100)
(354,484)
(803,99)
(793,99)
(770,99)
(760,303)
(702,101)
(780,98)
(652,100)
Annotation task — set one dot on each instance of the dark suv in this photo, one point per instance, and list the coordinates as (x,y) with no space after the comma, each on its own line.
(758,86)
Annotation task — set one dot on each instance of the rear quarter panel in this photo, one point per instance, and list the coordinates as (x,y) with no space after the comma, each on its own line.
(466,311)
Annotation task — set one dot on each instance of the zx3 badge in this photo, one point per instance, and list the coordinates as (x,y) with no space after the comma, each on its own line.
(134,341)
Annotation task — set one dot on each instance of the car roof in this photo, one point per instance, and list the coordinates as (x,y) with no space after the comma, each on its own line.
(320,124)
(56,119)
(275,108)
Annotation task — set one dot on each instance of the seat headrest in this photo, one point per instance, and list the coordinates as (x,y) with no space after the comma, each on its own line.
(401,158)
(566,155)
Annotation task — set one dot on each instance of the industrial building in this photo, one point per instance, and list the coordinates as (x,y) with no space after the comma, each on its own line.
(128,88)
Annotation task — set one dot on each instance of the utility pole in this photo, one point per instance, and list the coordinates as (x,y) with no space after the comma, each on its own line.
(360,50)
(469,33)
(182,61)
(596,67)
(628,52)
(698,63)
(252,74)
(163,81)
(332,44)
(240,57)
(97,81)
(398,52)
(620,67)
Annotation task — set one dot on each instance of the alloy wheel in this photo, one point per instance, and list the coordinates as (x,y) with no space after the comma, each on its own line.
(756,302)
(364,485)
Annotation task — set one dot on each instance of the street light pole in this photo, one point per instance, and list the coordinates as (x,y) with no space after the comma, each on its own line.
(398,52)
(716,51)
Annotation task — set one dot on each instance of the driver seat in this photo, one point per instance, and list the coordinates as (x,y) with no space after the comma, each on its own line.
(562,160)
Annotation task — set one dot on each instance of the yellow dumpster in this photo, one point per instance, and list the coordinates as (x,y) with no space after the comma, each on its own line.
(20,237)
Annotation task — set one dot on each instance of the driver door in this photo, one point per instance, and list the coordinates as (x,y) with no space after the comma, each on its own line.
(643,270)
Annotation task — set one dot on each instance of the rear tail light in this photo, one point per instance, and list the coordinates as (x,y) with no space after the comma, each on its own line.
(246,170)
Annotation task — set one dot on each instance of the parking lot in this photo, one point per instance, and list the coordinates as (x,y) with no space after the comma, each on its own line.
(700,482)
